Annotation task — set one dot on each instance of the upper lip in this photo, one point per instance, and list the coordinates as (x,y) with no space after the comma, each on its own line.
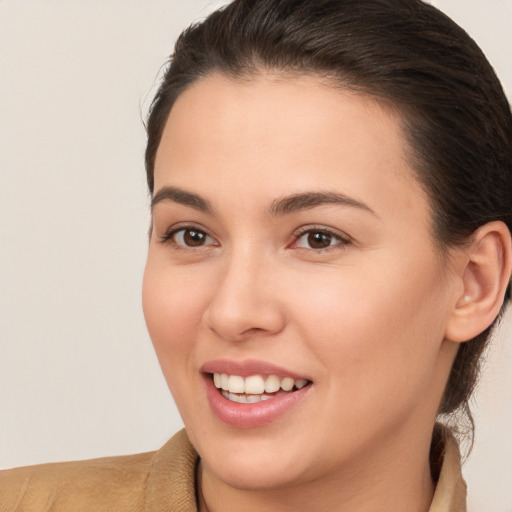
(248,367)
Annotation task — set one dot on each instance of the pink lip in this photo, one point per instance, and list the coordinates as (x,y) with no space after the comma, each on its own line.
(249,415)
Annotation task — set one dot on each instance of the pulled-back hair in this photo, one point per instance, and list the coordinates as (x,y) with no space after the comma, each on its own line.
(455,116)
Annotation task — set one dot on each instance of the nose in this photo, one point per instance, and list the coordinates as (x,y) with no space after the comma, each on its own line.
(245,302)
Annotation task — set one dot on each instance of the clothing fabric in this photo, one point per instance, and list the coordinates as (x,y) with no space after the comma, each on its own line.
(161,481)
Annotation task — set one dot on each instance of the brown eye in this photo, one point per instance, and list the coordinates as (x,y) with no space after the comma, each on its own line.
(190,237)
(319,240)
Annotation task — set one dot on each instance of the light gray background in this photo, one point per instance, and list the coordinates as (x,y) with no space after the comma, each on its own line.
(78,377)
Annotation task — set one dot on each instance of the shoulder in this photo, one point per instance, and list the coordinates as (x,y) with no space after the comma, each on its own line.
(113,483)
(91,484)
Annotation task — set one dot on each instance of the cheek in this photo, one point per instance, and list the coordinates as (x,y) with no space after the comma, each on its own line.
(376,334)
(173,309)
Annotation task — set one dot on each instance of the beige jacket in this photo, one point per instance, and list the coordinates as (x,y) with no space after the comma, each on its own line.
(153,482)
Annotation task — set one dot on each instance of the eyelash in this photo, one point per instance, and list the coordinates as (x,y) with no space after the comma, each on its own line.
(306,230)
(169,235)
(341,240)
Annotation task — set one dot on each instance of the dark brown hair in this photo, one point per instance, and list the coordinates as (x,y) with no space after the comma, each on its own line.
(455,115)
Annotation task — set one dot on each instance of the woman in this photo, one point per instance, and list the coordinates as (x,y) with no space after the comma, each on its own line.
(330,247)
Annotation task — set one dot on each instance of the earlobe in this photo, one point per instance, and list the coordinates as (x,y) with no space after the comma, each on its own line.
(485,276)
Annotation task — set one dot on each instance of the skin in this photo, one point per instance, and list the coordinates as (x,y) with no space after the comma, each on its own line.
(364,319)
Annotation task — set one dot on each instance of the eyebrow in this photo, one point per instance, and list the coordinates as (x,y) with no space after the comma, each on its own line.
(180,196)
(307,200)
(282,206)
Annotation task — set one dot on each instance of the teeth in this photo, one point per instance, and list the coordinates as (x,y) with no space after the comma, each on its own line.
(241,399)
(236,384)
(300,383)
(254,385)
(245,399)
(272,384)
(252,389)
(287,384)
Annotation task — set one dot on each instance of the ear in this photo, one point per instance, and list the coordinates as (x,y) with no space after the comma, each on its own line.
(484,274)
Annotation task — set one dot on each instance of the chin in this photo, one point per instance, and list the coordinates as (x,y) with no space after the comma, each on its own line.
(268,460)
(255,475)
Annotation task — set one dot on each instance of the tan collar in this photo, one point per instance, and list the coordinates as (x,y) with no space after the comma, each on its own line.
(171,482)
(172,479)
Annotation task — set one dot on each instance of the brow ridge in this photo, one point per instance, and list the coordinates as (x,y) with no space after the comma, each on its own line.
(281,206)
(180,196)
(307,200)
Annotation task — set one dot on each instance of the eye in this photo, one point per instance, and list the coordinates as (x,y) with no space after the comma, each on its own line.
(318,239)
(189,237)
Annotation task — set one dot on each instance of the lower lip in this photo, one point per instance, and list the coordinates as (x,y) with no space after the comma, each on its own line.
(251,415)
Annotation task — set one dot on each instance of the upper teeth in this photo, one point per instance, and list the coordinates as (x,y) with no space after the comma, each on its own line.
(256,384)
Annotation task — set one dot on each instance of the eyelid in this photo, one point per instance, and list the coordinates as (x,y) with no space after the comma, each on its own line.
(342,237)
(171,231)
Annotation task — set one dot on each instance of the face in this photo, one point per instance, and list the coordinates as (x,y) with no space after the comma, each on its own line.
(291,262)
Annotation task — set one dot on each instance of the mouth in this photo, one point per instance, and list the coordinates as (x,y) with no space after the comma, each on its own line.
(255,388)
(253,393)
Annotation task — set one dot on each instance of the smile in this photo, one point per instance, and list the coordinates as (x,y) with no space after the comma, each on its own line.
(255,388)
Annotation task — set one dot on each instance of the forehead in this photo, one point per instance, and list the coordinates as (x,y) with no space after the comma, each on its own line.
(300,97)
(280,134)
(280,106)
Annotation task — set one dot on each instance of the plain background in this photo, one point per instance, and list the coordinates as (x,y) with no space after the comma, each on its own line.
(78,377)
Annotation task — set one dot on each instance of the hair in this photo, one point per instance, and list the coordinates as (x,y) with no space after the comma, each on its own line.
(456,119)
